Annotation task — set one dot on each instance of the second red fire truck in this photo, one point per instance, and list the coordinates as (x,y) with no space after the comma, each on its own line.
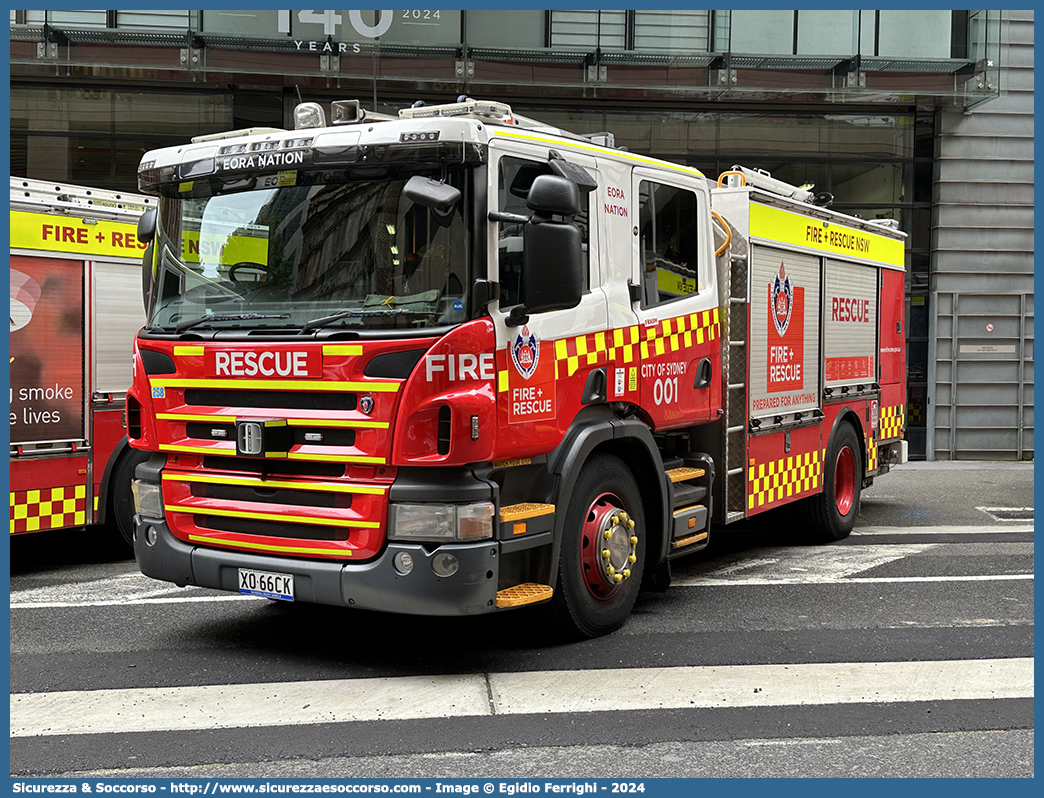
(457,361)
(75,309)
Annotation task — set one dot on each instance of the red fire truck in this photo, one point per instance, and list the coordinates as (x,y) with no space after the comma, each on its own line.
(75,309)
(457,361)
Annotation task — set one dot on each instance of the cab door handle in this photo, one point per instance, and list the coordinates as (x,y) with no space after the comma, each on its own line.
(704,373)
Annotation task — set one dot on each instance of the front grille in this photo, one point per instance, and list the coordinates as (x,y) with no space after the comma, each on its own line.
(296,400)
(248,526)
(299,498)
(227,432)
(294,468)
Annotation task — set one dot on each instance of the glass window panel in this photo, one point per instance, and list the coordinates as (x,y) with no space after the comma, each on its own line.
(758,134)
(588,30)
(827,33)
(506,29)
(52,109)
(873,135)
(153,20)
(868,184)
(243,22)
(672,30)
(667,222)
(765,32)
(174,113)
(85,161)
(416,26)
(76,19)
(915,34)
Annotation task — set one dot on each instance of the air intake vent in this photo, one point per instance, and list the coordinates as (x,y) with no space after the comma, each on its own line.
(444,429)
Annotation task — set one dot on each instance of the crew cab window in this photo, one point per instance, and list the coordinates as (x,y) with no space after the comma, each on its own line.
(667,244)
(515,176)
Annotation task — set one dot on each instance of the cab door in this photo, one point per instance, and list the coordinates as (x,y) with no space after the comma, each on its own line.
(679,350)
(543,365)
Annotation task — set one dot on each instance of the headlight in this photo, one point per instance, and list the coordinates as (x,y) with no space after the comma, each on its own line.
(441,521)
(148,499)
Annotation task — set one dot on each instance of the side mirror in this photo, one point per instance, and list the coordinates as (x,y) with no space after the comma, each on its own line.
(552,252)
(428,193)
(147,226)
(146,276)
(553,194)
(431,193)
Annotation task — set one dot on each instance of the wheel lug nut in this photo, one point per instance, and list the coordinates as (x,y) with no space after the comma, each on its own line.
(618,578)
(605,554)
(630,524)
(634,540)
(615,520)
(610,570)
(626,573)
(632,559)
(608,534)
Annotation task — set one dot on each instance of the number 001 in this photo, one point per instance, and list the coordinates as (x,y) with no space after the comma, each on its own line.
(665,391)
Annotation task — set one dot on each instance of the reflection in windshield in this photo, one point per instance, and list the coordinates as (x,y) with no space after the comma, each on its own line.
(361,251)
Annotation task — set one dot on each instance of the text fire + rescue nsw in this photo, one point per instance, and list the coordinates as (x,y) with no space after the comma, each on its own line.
(838,239)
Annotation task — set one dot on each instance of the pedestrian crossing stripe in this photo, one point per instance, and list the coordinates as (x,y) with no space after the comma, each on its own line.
(48,508)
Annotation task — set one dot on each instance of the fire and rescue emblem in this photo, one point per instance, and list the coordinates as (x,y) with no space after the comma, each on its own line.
(525,352)
(781,299)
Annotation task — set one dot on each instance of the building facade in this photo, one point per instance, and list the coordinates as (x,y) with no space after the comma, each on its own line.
(925,117)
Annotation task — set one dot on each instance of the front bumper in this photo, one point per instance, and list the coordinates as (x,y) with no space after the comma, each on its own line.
(374,585)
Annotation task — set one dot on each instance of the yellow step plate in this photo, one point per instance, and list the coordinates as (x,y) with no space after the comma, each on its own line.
(678,544)
(529,593)
(683,474)
(520,512)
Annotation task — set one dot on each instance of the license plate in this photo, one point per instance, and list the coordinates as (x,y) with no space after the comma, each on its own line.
(266,584)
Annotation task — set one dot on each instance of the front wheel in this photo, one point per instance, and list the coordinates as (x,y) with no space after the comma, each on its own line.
(831,515)
(603,549)
(120,511)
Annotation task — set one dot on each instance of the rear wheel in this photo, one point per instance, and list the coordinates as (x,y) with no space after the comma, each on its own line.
(603,549)
(831,515)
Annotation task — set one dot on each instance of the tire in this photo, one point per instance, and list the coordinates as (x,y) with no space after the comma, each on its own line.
(119,516)
(595,593)
(831,515)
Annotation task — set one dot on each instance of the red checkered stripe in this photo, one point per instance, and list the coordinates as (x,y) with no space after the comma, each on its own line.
(635,343)
(781,479)
(48,508)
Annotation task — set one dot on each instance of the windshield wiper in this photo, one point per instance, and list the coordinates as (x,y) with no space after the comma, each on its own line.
(358,312)
(187,325)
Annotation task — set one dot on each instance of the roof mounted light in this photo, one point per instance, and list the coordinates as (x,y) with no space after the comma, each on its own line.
(308,115)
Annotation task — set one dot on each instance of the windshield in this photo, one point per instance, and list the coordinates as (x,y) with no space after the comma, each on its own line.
(360,252)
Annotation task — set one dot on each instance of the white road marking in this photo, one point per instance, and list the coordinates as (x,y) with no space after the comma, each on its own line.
(698,581)
(943,530)
(795,565)
(543,692)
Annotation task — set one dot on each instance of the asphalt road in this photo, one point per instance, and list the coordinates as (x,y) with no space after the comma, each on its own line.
(905,650)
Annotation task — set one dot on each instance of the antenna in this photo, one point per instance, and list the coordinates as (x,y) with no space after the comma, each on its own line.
(298,90)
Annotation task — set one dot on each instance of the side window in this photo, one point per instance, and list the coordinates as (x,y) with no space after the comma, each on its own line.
(667,229)
(514,177)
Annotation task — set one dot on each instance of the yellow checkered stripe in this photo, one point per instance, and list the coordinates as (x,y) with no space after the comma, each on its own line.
(48,508)
(636,343)
(871,455)
(893,419)
(783,478)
